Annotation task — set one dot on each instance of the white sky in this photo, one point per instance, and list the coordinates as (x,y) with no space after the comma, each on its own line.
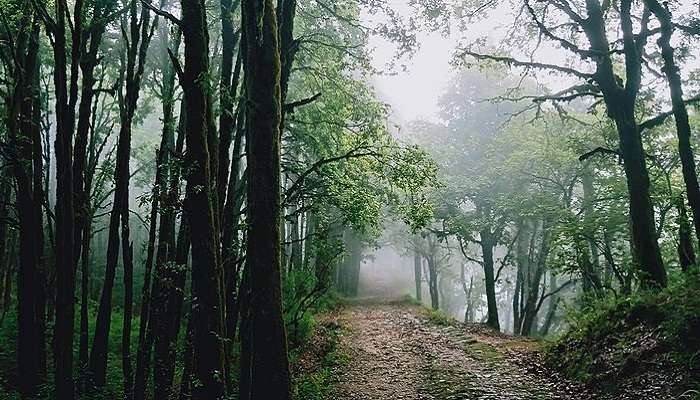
(413,93)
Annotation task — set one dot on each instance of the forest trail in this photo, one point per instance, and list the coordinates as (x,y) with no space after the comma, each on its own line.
(393,350)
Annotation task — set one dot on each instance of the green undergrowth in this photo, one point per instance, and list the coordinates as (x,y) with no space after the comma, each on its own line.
(314,364)
(620,343)
(8,355)
(440,318)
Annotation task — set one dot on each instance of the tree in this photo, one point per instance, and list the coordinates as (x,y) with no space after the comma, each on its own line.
(200,207)
(680,113)
(25,156)
(264,366)
(619,95)
(66,98)
(137,42)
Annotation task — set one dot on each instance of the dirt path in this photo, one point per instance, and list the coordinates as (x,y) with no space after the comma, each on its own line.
(398,351)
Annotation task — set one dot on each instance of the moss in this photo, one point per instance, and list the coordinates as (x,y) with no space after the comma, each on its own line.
(484,352)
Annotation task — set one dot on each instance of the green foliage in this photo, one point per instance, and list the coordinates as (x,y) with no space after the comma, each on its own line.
(303,297)
(315,383)
(115,377)
(437,317)
(612,340)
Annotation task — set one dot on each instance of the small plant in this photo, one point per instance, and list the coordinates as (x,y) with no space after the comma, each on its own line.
(437,317)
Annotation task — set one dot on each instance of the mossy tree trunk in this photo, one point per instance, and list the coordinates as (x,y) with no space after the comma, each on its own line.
(265,370)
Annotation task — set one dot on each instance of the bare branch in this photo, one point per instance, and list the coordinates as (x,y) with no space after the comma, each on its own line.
(583,53)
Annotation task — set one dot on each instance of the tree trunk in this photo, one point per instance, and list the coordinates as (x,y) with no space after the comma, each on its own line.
(680,113)
(64,220)
(200,208)
(620,101)
(268,367)
(163,213)
(551,308)
(228,86)
(417,275)
(133,70)
(167,318)
(127,259)
(646,247)
(100,342)
(230,240)
(432,282)
(25,137)
(487,245)
(83,182)
(686,252)
(349,274)
(534,280)
(591,270)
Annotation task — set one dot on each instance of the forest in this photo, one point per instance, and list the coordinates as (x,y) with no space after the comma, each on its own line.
(351,199)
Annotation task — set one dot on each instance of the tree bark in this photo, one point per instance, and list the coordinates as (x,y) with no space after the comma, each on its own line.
(488,243)
(168,307)
(433,281)
(418,275)
(64,224)
(25,137)
(200,208)
(268,367)
(680,113)
(686,251)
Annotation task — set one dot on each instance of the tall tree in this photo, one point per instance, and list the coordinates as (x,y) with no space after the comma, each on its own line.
(66,94)
(137,41)
(265,374)
(619,96)
(24,133)
(201,207)
(680,113)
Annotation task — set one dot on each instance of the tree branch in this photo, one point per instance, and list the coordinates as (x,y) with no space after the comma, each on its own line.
(563,42)
(176,21)
(599,150)
(661,118)
(535,65)
(289,107)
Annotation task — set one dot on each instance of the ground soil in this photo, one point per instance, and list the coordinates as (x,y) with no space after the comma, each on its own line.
(396,350)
